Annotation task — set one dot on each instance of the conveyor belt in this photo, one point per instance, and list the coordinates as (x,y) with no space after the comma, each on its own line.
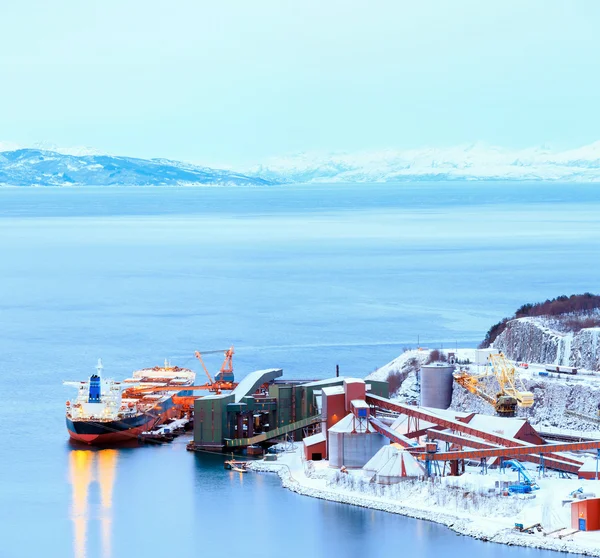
(243,442)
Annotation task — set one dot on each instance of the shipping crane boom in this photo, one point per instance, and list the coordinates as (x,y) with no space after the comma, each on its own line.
(224,380)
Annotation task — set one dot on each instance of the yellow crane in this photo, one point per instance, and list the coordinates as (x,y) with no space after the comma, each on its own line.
(506,393)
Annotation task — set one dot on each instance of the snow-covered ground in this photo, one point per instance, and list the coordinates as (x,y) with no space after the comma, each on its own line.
(556,395)
(470,504)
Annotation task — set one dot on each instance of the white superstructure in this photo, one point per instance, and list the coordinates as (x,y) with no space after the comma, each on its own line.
(101,399)
(97,398)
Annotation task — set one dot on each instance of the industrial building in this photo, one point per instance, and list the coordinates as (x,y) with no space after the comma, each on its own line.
(263,409)
(349,421)
(357,425)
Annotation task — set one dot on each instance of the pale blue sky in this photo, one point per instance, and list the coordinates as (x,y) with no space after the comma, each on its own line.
(232,82)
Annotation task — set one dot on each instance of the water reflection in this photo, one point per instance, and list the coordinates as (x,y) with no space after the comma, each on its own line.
(87,467)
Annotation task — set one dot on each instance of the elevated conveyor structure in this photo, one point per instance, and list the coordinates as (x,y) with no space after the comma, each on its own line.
(564,464)
(513,452)
(275,433)
(392,435)
(491,444)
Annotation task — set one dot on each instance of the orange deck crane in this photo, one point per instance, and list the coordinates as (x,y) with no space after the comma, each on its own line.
(224,377)
(224,381)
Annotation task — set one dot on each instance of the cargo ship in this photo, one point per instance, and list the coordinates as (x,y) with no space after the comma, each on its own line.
(107,412)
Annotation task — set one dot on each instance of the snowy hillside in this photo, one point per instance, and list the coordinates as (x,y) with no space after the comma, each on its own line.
(553,395)
(35,167)
(471,162)
(53,166)
(543,340)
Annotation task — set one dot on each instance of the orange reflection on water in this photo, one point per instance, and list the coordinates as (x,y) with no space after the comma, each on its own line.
(107,468)
(80,467)
(85,467)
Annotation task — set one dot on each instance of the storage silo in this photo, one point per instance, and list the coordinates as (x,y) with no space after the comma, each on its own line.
(352,443)
(436,385)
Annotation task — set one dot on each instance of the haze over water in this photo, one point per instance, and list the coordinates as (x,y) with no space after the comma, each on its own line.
(298,277)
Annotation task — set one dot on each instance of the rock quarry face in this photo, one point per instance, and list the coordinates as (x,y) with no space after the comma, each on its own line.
(534,340)
(553,396)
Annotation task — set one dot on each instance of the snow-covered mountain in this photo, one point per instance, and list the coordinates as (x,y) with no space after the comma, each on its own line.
(471,162)
(45,166)
(36,167)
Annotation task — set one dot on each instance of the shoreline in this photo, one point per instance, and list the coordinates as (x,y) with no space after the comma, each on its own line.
(456,523)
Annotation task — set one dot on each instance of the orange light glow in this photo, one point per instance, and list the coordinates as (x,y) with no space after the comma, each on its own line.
(107,468)
(80,469)
(82,475)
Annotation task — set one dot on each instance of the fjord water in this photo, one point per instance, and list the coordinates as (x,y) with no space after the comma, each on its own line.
(298,277)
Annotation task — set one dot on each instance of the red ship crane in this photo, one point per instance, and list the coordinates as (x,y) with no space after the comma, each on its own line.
(224,378)
(223,381)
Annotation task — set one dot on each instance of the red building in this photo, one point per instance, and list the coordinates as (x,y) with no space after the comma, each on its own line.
(333,405)
(585,514)
(589,470)
(354,389)
(315,447)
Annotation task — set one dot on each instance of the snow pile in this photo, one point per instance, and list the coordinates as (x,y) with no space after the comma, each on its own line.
(391,464)
(380,459)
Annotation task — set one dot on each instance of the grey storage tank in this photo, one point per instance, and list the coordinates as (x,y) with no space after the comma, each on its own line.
(352,443)
(436,385)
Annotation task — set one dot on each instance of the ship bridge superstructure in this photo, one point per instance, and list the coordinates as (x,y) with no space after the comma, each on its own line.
(97,398)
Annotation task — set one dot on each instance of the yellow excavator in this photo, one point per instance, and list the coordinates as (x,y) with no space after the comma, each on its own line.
(506,393)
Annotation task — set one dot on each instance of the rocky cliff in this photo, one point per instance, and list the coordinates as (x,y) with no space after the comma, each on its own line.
(540,340)
(553,397)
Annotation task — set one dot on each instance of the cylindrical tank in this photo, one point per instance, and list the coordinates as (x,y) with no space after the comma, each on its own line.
(353,450)
(436,385)
(335,448)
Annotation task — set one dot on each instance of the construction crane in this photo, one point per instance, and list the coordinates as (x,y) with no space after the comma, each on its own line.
(506,394)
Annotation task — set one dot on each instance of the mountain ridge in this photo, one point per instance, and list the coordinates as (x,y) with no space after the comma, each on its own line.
(467,162)
(38,166)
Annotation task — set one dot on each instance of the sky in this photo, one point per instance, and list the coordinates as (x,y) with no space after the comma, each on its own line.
(235,82)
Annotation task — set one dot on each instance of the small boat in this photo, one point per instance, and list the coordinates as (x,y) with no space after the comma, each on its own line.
(238,466)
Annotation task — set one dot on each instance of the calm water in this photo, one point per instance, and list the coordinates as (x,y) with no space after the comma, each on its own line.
(299,277)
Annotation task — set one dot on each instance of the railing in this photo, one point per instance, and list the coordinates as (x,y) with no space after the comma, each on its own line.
(243,442)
